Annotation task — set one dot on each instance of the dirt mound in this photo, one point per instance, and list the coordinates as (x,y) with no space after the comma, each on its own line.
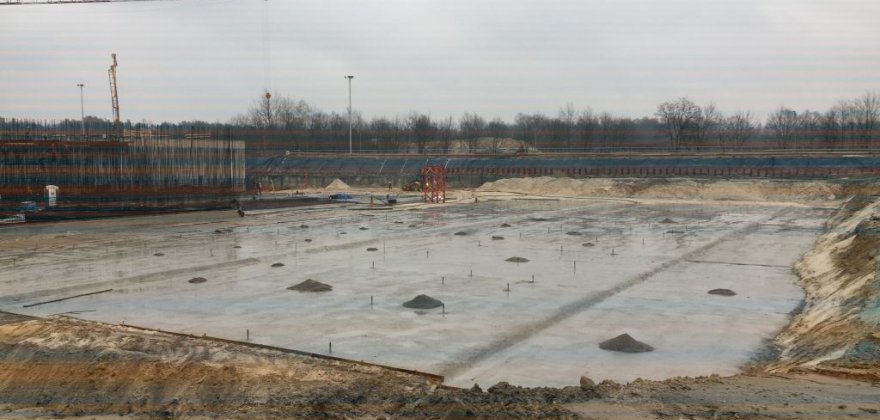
(312,286)
(505,225)
(197,280)
(587,244)
(574,233)
(423,302)
(372,249)
(559,186)
(722,292)
(337,184)
(626,344)
(159,254)
(667,220)
(462,233)
(276,265)
(308,240)
(497,238)
(517,259)
(688,189)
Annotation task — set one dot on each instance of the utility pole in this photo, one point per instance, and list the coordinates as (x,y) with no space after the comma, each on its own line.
(349,112)
(82,113)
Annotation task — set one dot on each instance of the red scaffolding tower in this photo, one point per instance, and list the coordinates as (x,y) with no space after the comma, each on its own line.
(434,189)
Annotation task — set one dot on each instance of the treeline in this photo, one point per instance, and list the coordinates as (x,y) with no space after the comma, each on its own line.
(678,125)
(275,124)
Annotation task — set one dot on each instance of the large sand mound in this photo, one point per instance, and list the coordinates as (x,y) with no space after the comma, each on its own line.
(337,184)
(744,190)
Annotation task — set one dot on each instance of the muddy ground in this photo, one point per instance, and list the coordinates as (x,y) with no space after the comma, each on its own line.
(66,367)
(825,364)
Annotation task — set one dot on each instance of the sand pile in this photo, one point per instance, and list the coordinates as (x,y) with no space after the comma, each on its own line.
(626,344)
(197,280)
(311,286)
(722,292)
(517,260)
(337,184)
(546,185)
(667,221)
(423,302)
(689,189)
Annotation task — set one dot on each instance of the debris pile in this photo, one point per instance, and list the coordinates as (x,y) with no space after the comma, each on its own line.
(311,286)
(626,344)
(423,302)
(722,292)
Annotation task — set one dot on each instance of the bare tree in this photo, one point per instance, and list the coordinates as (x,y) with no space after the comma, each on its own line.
(782,126)
(681,118)
(472,127)
(867,107)
(445,133)
(567,119)
(422,129)
(734,131)
(497,131)
(606,130)
(708,124)
(587,125)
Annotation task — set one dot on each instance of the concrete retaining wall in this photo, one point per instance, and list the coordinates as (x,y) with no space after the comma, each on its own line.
(302,172)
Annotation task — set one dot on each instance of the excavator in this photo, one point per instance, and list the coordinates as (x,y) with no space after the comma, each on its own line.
(416,183)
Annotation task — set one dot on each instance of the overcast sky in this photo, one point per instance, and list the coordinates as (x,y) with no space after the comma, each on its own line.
(208,60)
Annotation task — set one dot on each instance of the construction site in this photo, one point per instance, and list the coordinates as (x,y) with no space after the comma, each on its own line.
(601,297)
(685,264)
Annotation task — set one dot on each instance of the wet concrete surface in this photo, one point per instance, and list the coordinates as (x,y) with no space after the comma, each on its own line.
(640,276)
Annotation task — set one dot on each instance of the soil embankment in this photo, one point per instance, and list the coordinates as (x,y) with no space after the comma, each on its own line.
(838,331)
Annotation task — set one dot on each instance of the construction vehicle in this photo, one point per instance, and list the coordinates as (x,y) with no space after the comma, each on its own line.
(416,183)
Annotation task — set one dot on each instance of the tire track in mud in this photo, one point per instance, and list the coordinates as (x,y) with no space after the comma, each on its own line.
(469,359)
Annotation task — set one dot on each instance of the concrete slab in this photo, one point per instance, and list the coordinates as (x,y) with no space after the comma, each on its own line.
(639,276)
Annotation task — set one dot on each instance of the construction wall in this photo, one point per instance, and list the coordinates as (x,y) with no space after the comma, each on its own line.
(130,167)
(302,172)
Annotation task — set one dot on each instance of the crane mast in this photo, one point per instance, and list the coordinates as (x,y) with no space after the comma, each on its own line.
(114,97)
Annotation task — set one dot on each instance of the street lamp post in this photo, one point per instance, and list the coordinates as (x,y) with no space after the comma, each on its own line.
(82,114)
(349,112)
